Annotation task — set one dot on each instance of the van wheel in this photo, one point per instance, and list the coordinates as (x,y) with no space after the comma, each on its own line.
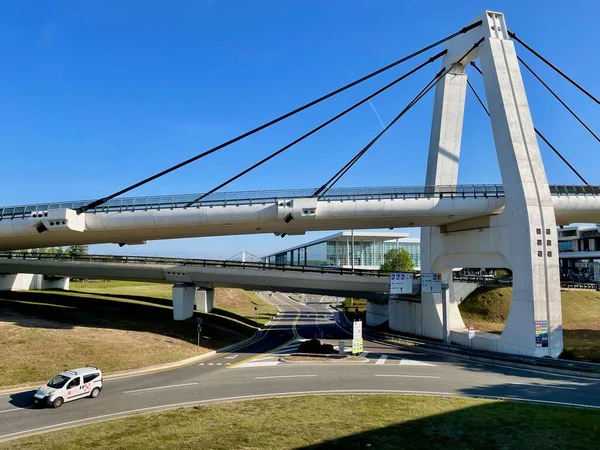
(57,403)
(95,392)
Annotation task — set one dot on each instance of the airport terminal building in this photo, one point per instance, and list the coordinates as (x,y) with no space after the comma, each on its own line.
(579,251)
(348,249)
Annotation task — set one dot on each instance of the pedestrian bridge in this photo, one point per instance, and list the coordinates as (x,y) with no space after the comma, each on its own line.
(138,219)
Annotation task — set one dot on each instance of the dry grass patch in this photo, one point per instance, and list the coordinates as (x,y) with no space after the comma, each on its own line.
(487,308)
(114,325)
(33,349)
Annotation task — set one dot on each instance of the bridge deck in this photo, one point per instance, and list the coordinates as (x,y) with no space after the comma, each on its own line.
(181,201)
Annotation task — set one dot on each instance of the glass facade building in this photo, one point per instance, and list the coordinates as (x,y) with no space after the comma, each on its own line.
(579,253)
(359,249)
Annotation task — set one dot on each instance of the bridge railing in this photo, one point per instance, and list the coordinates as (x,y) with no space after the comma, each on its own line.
(182,201)
(218,263)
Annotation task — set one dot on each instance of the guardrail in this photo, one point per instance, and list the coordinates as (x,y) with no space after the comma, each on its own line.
(181,201)
(188,262)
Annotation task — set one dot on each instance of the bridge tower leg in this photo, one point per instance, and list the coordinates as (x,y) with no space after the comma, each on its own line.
(523,237)
(184,295)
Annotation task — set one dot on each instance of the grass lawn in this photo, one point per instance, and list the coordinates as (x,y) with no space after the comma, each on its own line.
(345,422)
(115,325)
(487,308)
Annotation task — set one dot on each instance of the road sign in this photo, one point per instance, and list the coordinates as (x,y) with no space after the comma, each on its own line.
(471,331)
(431,282)
(357,340)
(401,283)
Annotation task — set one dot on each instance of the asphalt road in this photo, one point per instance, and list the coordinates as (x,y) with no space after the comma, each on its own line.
(255,371)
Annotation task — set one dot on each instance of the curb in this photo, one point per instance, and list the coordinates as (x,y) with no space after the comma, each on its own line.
(148,370)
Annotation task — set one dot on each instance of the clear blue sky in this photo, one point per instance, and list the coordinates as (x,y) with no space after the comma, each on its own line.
(95,95)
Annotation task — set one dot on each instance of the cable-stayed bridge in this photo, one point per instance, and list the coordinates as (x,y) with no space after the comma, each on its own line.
(511,226)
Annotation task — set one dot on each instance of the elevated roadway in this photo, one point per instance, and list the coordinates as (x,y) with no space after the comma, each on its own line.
(207,274)
(136,220)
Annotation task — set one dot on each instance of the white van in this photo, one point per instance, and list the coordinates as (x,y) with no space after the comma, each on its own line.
(70,385)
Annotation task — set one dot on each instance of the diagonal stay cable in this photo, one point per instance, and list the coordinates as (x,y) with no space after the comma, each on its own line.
(320,127)
(535,129)
(103,200)
(340,173)
(558,98)
(441,74)
(556,69)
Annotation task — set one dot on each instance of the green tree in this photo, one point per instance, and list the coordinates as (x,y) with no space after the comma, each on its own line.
(397,260)
(76,250)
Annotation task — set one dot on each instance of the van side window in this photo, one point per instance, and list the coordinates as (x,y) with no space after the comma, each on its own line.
(73,383)
(90,377)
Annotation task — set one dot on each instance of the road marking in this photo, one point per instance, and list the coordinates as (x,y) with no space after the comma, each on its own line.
(382,359)
(15,409)
(407,376)
(210,364)
(283,376)
(218,364)
(231,357)
(412,362)
(159,387)
(201,364)
(545,386)
(294,337)
(257,364)
(227,364)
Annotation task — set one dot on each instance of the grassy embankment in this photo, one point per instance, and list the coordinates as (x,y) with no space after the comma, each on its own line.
(345,422)
(112,324)
(487,308)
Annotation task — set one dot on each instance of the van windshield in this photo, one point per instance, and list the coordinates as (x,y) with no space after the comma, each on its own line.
(58,381)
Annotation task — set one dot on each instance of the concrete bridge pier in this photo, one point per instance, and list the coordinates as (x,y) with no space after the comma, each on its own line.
(205,300)
(184,295)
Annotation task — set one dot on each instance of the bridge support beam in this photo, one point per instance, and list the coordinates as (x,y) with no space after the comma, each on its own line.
(205,300)
(523,237)
(183,300)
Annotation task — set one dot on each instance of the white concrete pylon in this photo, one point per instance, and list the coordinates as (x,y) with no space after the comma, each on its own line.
(522,237)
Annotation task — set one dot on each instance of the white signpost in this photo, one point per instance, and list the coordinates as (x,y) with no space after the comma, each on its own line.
(471,331)
(431,282)
(357,340)
(401,283)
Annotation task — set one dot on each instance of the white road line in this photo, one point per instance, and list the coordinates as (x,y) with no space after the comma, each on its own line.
(283,376)
(15,409)
(159,387)
(545,386)
(407,376)
(382,359)
(412,362)
(72,423)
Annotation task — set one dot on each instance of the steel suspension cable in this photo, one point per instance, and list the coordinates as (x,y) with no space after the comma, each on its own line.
(558,98)
(441,74)
(340,173)
(103,200)
(535,129)
(320,127)
(556,69)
